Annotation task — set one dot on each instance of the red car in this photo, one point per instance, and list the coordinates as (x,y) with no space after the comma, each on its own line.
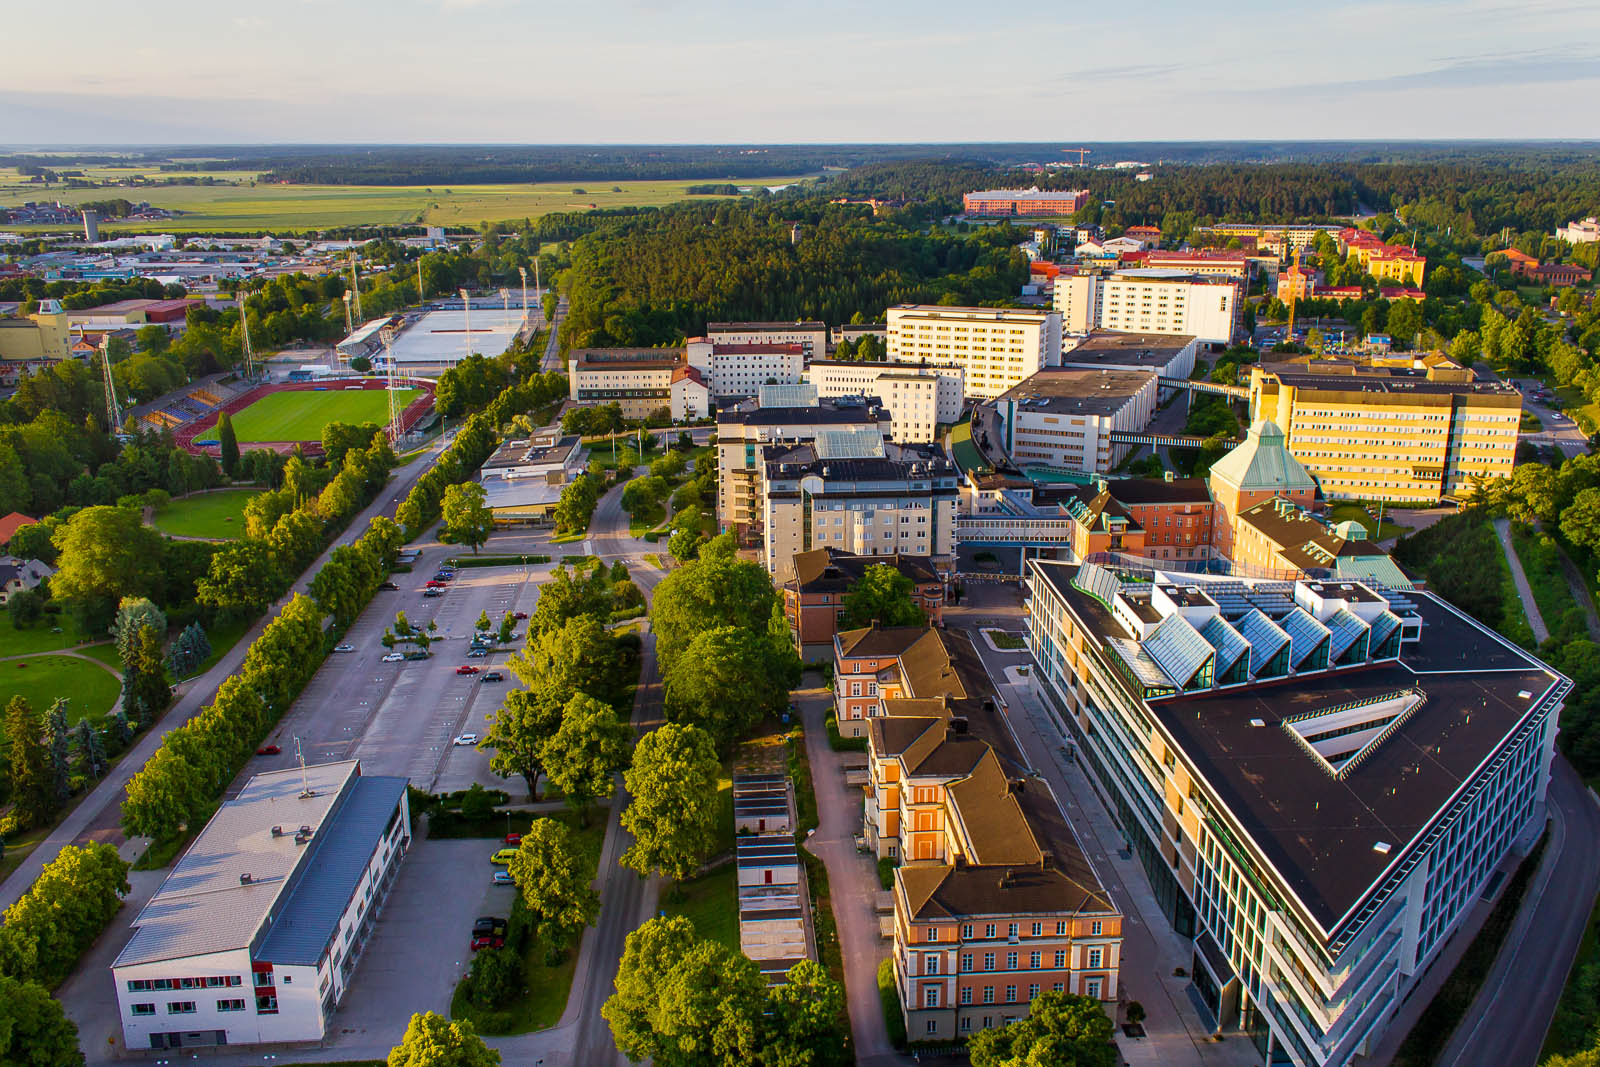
(513,839)
(268,750)
(487,941)
(467,668)
(434,583)
(519,614)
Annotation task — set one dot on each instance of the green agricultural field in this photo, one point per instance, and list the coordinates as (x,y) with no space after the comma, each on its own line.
(285,208)
(218,515)
(300,414)
(90,691)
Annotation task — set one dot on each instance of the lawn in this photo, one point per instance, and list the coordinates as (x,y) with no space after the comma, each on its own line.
(300,414)
(1349,510)
(711,902)
(37,638)
(1541,562)
(242,205)
(89,690)
(217,515)
(962,450)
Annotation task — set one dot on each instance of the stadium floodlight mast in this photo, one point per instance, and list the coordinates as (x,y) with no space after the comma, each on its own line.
(466,306)
(387,336)
(422,294)
(505,302)
(113,409)
(524,272)
(355,283)
(249,356)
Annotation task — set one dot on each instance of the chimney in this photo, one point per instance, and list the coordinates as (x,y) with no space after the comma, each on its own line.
(244,879)
(958,724)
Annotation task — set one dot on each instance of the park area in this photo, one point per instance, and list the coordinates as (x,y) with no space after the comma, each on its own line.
(238,203)
(90,689)
(215,516)
(300,414)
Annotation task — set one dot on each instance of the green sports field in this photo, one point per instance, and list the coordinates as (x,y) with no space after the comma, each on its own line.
(300,414)
(218,515)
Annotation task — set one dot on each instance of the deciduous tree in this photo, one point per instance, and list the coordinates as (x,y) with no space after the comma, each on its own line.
(106,554)
(553,878)
(34,1030)
(673,813)
(1059,1029)
(882,595)
(724,681)
(585,753)
(468,519)
(433,1041)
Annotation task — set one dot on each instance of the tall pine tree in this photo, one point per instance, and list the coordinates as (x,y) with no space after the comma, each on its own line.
(58,745)
(229,444)
(29,763)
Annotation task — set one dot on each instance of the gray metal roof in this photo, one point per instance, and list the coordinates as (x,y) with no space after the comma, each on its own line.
(323,887)
(1098,582)
(202,906)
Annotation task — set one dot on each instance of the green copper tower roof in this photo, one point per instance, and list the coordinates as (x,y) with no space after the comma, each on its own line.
(1263,463)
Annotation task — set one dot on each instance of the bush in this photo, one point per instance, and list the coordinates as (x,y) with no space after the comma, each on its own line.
(838,742)
(886,869)
(478,804)
(889,997)
(496,978)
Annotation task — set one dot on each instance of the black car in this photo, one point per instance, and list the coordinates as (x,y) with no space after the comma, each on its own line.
(388,585)
(489,926)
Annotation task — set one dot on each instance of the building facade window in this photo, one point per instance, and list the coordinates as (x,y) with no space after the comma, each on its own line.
(180,1007)
(142,1009)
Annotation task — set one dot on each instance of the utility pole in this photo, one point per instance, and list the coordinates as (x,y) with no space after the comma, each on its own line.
(466,306)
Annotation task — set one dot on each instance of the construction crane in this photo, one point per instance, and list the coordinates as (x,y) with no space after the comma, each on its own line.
(1294,294)
(1081,153)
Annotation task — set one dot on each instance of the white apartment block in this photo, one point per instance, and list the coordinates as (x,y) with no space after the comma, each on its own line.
(1063,418)
(996,348)
(1296,773)
(1150,301)
(850,491)
(917,399)
(733,371)
(1580,232)
(812,337)
(255,935)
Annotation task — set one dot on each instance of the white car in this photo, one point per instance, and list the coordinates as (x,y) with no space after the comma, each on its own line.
(393,657)
(344,648)
(466,739)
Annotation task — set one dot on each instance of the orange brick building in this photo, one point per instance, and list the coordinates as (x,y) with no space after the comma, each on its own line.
(813,600)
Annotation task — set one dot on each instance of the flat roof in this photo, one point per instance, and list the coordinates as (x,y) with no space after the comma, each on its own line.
(1078,389)
(1145,350)
(522,452)
(1322,833)
(441,336)
(767,327)
(1348,377)
(625,358)
(206,906)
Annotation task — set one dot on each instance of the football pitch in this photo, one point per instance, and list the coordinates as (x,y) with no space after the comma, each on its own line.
(300,414)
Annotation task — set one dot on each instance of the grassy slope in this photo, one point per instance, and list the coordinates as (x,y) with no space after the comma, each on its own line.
(300,415)
(217,515)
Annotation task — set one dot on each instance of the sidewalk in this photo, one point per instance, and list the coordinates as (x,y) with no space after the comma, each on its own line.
(1541,632)
(852,882)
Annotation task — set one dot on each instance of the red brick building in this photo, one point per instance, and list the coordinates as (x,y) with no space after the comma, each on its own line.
(813,600)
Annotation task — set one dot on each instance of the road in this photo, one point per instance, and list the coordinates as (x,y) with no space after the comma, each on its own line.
(1508,1021)
(97,816)
(552,358)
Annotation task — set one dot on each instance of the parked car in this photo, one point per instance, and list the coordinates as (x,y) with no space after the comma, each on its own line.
(489,924)
(513,838)
(519,614)
(433,592)
(467,668)
(434,583)
(393,657)
(466,739)
(502,878)
(344,648)
(388,585)
(444,576)
(477,653)
(487,941)
(494,676)
(268,750)
(503,856)
(419,654)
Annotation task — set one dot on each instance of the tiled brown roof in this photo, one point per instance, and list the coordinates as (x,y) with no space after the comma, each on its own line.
(994,821)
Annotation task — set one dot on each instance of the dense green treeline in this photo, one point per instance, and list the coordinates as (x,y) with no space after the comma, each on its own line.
(662,276)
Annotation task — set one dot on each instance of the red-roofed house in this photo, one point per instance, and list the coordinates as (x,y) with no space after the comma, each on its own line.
(1150,235)
(11,524)
(1519,263)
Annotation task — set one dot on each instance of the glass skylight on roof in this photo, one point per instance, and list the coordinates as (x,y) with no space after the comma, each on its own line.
(1141,668)
(1229,643)
(1383,628)
(1307,636)
(803,395)
(1098,583)
(1346,629)
(1183,654)
(1266,638)
(1341,737)
(849,444)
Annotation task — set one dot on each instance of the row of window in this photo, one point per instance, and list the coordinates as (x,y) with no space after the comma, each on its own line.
(187,1007)
(1095,960)
(146,985)
(990,930)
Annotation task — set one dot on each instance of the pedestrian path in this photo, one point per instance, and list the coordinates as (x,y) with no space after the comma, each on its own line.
(1541,632)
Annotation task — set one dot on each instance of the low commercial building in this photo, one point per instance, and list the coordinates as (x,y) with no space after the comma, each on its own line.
(918,399)
(1403,430)
(812,337)
(1559,275)
(1168,355)
(995,899)
(854,492)
(1582,231)
(1147,300)
(1284,240)
(255,935)
(821,579)
(996,348)
(733,371)
(1011,202)
(637,379)
(778,413)
(1063,418)
(1294,771)
(1214,263)
(524,478)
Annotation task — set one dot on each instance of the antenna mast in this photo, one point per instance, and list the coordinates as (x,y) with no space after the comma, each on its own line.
(300,758)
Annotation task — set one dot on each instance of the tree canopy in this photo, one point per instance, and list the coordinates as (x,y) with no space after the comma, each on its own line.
(673,811)
(882,595)
(433,1041)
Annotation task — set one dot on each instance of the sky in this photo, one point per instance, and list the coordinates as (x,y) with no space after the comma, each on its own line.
(775,71)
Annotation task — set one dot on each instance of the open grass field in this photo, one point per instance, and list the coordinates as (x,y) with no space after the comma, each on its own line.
(89,690)
(242,205)
(39,638)
(300,414)
(218,515)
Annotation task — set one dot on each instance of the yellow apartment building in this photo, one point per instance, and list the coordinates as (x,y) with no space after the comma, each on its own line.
(1406,431)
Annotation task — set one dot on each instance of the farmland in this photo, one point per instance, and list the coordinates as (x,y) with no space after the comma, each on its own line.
(244,205)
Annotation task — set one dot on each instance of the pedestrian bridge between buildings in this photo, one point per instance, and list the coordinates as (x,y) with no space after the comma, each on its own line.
(1164,440)
(1013,531)
(1233,392)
